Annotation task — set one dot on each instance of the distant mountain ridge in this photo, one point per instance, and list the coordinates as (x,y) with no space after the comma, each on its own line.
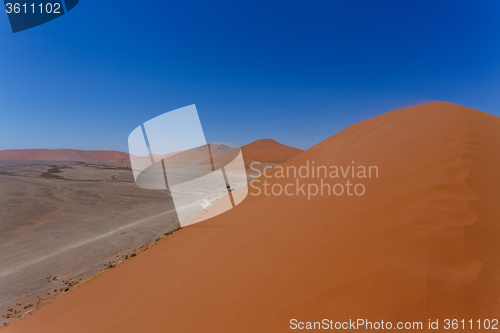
(62,155)
(265,150)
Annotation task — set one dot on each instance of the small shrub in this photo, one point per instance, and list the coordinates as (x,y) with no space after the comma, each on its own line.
(172,231)
(133,255)
(158,239)
(66,289)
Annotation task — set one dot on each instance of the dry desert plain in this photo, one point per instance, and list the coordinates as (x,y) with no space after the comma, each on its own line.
(421,243)
(69,214)
(64,221)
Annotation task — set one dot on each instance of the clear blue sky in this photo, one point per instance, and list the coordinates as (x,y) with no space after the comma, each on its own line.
(294,71)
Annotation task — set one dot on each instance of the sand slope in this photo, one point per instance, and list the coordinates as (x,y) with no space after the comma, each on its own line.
(62,155)
(268,150)
(421,243)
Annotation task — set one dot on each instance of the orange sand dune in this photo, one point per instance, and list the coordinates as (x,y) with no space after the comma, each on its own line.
(198,153)
(63,155)
(422,243)
(270,151)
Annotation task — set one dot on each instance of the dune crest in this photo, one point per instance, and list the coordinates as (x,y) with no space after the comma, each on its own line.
(270,151)
(421,243)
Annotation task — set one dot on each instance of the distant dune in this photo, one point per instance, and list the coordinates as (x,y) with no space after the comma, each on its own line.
(62,155)
(421,243)
(265,150)
(270,151)
(199,153)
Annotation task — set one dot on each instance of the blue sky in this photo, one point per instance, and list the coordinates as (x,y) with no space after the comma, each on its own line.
(294,71)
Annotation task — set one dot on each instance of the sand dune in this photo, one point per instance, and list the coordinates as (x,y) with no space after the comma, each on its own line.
(268,150)
(265,150)
(421,243)
(62,155)
(199,153)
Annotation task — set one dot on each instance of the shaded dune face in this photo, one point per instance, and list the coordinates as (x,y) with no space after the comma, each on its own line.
(421,243)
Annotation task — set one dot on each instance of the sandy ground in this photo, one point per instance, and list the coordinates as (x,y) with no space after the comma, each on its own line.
(421,244)
(63,222)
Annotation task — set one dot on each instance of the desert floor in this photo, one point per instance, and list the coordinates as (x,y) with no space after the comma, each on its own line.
(63,222)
